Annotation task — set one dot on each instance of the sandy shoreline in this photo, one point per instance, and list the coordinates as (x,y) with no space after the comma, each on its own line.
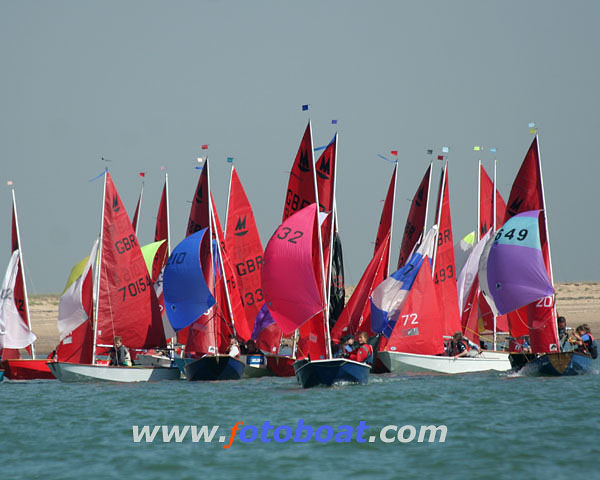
(578,302)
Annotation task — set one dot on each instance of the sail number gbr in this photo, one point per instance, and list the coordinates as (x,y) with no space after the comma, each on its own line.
(133,289)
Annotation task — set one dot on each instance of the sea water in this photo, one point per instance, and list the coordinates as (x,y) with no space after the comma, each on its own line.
(498,426)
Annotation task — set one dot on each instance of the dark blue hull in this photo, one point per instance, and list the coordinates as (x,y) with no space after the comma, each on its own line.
(556,364)
(327,372)
(180,363)
(214,367)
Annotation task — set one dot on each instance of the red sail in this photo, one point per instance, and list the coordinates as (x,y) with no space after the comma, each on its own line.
(470,315)
(418,329)
(134,221)
(127,303)
(356,316)
(415,223)
(199,214)
(311,343)
(301,185)
(244,248)
(445,269)
(325,170)
(486,204)
(232,307)
(527,194)
(385,222)
(161,231)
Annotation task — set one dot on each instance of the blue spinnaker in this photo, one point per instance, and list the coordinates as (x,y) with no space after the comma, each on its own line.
(187,296)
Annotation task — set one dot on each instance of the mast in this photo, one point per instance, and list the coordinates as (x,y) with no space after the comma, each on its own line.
(547,232)
(168,219)
(393,207)
(478,229)
(228,198)
(321,258)
(98,272)
(427,201)
(494,231)
(439,216)
(333,227)
(211,216)
(22,265)
(139,210)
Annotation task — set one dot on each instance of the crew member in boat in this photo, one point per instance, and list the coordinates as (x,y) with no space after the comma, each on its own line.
(563,334)
(585,341)
(233,350)
(457,346)
(119,354)
(251,348)
(345,347)
(364,353)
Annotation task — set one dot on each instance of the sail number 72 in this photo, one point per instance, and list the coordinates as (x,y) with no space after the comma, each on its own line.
(412,317)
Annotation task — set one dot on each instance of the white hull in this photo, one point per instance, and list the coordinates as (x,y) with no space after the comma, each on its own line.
(73,372)
(412,362)
(146,360)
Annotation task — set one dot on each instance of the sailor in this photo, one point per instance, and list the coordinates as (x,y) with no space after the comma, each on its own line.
(233,349)
(456,346)
(563,335)
(119,354)
(585,341)
(364,353)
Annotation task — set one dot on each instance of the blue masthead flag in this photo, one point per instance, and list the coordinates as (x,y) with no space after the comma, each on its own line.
(304,107)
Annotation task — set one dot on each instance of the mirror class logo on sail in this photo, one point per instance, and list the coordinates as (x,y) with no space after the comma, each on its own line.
(299,433)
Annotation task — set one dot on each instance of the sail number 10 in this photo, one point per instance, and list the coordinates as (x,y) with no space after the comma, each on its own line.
(134,288)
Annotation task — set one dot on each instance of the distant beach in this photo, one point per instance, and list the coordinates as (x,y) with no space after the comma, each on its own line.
(579,302)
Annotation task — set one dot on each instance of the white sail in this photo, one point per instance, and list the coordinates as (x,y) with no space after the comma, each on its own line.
(71,313)
(14,333)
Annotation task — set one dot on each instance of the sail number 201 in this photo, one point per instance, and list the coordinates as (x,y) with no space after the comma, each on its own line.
(285,233)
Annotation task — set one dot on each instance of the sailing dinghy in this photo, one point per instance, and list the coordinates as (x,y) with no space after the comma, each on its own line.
(126,304)
(15,320)
(298,301)
(417,307)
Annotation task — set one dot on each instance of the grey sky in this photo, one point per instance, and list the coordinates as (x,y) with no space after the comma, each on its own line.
(146,83)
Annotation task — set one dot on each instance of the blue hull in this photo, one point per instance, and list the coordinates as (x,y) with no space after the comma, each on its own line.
(553,364)
(1,375)
(214,367)
(327,372)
